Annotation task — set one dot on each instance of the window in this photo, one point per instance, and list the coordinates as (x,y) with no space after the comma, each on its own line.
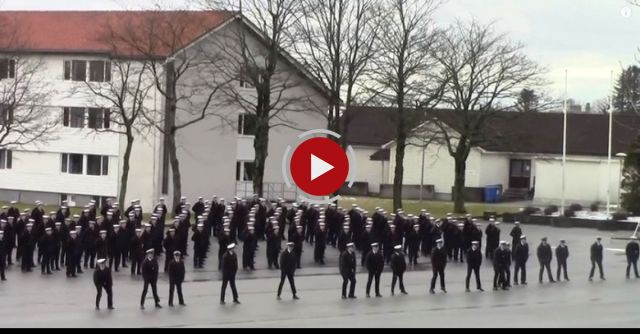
(75,70)
(245,170)
(72,163)
(244,83)
(73,117)
(97,165)
(247,124)
(6,158)
(6,114)
(98,118)
(99,71)
(7,68)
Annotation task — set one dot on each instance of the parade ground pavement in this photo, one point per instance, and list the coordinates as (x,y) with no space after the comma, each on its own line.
(33,300)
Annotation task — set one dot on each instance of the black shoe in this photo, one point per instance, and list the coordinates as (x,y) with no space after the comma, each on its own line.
(353,297)
(142,307)
(158,306)
(170,304)
(97,308)
(111,308)
(432,292)
(524,283)
(515,283)
(236,302)
(344,297)
(404,292)
(566,279)
(590,279)
(444,290)
(552,281)
(378,296)
(295,297)
(392,294)
(467,290)
(495,288)
(183,304)
(368,296)
(278,298)
(222,302)
(480,289)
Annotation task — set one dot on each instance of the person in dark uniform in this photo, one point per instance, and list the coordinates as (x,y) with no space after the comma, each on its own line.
(19,228)
(344,237)
(375,265)
(438,263)
(562,254)
(136,253)
(199,246)
(169,248)
(515,234)
(398,267)
(123,242)
(348,271)
(112,248)
(493,238)
(274,244)
(150,277)
(596,258)
(249,248)
(500,263)
(320,242)
(89,237)
(47,245)
(229,270)
(224,240)
(102,246)
(102,280)
(632,252)
(145,237)
(507,266)
(28,243)
(3,257)
(544,257)
(71,249)
(413,241)
(176,277)
(288,265)
(79,249)
(521,255)
(9,238)
(474,260)
(298,240)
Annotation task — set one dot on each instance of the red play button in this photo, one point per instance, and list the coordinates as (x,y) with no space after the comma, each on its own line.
(319,166)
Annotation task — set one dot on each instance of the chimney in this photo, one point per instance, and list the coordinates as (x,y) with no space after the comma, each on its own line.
(587,108)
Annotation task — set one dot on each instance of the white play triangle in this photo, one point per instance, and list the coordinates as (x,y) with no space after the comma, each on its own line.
(319,167)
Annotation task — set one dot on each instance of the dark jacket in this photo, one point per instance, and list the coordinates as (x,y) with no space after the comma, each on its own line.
(562,253)
(398,262)
(474,258)
(347,263)
(500,259)
(102,277)
(229,265)
(150,270)
(288,262)
(521,254)
(596,252)
(101,248)
(544,253)
(439,258)
(515,234)
(176,272)
(374,262)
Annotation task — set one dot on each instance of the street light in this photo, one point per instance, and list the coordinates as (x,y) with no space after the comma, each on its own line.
(622,156)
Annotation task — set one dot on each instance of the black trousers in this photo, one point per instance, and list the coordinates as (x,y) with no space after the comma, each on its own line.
(198,258)
(2,268)
(635,266)
(373,275)
(397,277)
(520,268)
(289,277)
(272,259)
(45,264)
(10,255)
(27,260)
(99,295)
(114,260)
(476,272)
(89,254)
(232,283)
(562,265)
(546,266)
(318,253)
(413,254)
(55,259)
(135,266)
(178,287)
(593,268)
(154,289)
(499,278)
(125,255)
(346,279)
(437,272)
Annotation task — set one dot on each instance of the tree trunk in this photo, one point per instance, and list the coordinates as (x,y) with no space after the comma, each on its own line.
(458,185)
(401,143)
(124,179)
(261,147)
(175,167)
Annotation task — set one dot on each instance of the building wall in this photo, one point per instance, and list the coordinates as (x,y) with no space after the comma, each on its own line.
(586,180)
(494,170)
(367,170)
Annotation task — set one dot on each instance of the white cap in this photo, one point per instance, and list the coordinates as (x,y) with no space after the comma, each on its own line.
(350,244)
(149,251)
(397,247)
(231,246)
(101,261)
(439,240)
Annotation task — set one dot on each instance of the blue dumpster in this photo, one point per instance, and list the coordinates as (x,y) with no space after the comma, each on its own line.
(492,193)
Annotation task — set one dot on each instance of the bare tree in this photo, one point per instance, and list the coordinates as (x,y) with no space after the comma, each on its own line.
(260,75)
(402,70)
(25,118)
(529,100)
(123,100)
(483,71)
(335,41)
(181,75)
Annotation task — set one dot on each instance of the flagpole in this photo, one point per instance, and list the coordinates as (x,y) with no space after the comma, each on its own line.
(564,142)
(609,149)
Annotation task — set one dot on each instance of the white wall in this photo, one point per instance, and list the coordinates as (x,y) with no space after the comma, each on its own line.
(495,170)
(586,179)
(373,172)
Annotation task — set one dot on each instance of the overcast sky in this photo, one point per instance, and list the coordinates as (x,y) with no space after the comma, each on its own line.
(589,38)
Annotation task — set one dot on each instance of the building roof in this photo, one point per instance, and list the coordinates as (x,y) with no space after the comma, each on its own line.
(84,31)
(532,133)
(381,155)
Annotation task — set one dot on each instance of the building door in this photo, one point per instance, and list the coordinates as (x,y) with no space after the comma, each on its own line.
(520,174)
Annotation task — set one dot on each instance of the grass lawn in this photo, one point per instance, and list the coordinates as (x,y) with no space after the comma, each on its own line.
(436,208)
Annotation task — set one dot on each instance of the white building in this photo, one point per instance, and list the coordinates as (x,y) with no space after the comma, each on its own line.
(525,159)
(216,156)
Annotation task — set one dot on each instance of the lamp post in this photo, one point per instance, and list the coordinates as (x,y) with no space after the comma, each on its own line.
(609,150)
